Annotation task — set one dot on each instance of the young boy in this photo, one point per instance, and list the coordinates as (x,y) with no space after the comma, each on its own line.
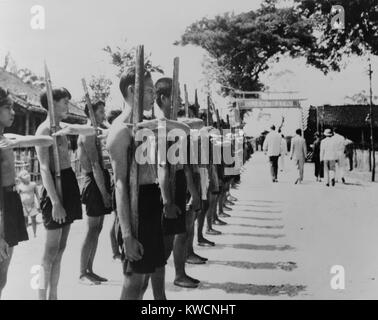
(96,195)
(12,222)
(57,213)
(142,254)
(113,114)
(29,195)
(174,221)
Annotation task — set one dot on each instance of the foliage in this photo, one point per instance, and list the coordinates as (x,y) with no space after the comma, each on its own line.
(123,58)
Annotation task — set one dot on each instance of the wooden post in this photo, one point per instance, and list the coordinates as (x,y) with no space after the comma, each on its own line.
(53,129)
(1,199)
(92,116)
(27,123)
(175,89)
(186,101)
(174,109)
(209,114)
(372,147)
(137,116)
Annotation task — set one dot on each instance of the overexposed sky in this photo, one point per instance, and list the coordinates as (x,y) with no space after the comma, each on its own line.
(76,31)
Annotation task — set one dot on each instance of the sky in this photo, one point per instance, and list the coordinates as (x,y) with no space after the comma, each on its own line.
(76,31)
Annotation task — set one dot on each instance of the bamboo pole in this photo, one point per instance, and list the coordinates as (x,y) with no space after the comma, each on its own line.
(174,109)
(92,116)
(137,116)
(2,234)
(53,129)
(186,101)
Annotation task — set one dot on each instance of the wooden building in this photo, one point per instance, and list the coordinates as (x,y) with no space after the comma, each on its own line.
(352,121)
(29,114)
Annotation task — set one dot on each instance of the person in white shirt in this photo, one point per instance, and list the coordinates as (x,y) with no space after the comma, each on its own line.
(328,156)
(339,145)
(272,147)
(299,152)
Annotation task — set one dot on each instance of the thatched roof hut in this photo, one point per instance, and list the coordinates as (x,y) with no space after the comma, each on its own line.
(29,112)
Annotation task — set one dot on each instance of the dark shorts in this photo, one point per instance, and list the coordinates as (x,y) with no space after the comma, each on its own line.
(91,195)
(177,226)
(150,233)
(71,202)
(14,221)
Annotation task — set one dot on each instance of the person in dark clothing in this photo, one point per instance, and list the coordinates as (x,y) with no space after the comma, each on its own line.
(349,150)
(319,173)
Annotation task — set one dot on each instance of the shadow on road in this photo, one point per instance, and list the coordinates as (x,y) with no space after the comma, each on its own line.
(257,235)
(255,226)
(247,246)
(286,266)
(256,205)
(257,218)
(260,211)
(251,289)
(263,201)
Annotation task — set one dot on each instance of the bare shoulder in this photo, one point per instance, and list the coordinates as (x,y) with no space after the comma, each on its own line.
(43,129)
(119,135)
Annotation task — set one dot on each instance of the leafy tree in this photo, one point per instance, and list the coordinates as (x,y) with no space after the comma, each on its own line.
(29,77)
(360,98)
(100,87)
(243,45)
(359,36)
(124,58)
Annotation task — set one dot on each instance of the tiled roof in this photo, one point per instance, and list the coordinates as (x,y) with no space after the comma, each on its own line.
(27,95)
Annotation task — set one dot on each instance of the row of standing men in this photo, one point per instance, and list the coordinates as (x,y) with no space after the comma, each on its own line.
(166,212)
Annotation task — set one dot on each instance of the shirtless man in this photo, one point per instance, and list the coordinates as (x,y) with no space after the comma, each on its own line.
(174,220)
(144,254)
(57,214)
(12,222)
(29,193)
(96,195)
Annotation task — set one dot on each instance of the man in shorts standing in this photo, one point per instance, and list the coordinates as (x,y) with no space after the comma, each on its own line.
(96,196)
(12,222)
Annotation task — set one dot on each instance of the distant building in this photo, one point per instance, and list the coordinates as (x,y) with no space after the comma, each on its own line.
(352,121)
(29,114)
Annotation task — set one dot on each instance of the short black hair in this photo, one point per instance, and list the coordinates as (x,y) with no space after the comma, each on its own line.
(163,87)
(128,78)
(113,115)
(95,106)
(298,132)
(5,99)
(194,109)
(273,127)
(58,94)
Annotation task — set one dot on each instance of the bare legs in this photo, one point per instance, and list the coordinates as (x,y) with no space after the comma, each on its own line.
(55,245)
(89,249)
(4,266)
(134,286)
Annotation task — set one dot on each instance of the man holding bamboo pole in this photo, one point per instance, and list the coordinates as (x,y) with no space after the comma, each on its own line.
(60,201)
(96,192)
(174,197)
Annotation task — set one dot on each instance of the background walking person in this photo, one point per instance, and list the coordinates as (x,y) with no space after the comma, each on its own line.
(319,167)
(299,152)
(272,147)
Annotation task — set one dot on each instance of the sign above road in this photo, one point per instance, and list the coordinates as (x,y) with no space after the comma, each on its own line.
(247,104)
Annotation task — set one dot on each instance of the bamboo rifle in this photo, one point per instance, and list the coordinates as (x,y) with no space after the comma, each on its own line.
(53,129)
(137,116)
(92,116)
